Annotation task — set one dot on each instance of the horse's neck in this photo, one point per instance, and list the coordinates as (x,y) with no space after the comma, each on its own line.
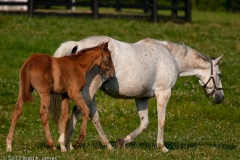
(189,61)
(88,60)
(191,66)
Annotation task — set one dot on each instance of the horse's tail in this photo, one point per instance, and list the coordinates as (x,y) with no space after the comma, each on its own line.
(25,87)
(55,110)
(55,107)
(66,48)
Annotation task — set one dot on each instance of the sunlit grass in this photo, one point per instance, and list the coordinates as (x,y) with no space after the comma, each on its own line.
(195,127)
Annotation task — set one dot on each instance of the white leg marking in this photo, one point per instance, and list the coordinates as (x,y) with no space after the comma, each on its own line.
(9,147)
(61,141)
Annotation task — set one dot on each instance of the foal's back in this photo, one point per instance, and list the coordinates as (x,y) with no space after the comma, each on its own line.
(49,74)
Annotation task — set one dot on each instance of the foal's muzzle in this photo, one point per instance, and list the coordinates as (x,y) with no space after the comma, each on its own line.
(110,73)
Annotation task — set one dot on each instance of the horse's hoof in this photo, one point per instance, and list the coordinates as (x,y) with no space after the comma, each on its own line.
(109,147)
(120,143)
(164,149)
(63,149)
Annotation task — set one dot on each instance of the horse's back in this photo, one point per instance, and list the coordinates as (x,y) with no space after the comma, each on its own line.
(141,69)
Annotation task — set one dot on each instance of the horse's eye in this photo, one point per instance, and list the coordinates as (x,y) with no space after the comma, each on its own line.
(220,74)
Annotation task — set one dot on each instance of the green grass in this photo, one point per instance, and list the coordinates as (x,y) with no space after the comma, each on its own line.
(195,127)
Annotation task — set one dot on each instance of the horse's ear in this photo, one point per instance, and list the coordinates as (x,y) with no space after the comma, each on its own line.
(74,50)
(218,59)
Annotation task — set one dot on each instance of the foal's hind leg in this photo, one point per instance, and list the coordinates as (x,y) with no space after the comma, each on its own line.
(62,122)
(45,103)
(15,116)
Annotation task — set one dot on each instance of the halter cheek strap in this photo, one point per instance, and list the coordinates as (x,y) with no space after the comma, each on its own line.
(215,88)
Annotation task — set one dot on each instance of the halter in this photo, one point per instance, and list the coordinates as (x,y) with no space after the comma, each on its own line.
(102,61)
(215,88)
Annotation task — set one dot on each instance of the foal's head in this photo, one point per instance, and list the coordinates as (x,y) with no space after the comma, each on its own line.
(106,63)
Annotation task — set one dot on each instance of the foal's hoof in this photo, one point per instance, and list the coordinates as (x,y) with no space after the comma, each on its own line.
(9,147)
(53,148)
(120,143)
(76,145)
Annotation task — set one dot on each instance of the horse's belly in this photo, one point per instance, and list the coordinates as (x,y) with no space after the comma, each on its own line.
(126,91)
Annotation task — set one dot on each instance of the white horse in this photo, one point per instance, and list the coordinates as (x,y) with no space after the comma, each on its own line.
(148,68)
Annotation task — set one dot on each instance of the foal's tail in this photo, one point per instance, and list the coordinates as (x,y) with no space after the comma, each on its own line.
(25,87)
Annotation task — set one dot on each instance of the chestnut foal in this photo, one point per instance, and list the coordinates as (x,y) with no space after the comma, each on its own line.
(65,76)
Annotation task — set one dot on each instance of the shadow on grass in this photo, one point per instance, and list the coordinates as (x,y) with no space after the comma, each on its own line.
(176,145)
(148,145)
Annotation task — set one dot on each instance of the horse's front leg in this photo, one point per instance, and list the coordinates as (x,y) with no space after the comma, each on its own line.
(96,122)
(162,101)
(142,107)
(62,122)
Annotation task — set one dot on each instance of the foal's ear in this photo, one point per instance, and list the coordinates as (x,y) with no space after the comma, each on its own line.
(218,59)
(105,46)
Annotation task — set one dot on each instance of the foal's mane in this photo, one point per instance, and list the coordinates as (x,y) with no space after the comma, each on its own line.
(182,50)
(75,54)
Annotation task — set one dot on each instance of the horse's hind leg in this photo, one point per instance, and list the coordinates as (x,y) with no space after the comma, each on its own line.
(62,122)
(15,116)
(45,103)
(142,107)
(75,116)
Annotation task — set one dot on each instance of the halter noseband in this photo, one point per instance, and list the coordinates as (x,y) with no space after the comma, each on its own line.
(102,61)
(215,88)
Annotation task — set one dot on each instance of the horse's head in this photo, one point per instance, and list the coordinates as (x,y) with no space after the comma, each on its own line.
(106,63)
(211,81)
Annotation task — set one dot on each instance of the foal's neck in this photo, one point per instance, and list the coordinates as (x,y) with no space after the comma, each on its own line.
(88,58)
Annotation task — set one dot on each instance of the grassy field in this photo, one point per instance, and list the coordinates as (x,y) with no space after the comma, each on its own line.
(195,127)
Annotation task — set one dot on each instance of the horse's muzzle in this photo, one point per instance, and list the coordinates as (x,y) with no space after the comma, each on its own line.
(218,97)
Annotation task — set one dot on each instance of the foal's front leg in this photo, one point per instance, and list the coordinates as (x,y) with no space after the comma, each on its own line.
(62,122)
(45,103)
(78,100)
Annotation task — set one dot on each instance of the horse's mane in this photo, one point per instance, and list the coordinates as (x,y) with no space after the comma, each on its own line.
(181,49)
